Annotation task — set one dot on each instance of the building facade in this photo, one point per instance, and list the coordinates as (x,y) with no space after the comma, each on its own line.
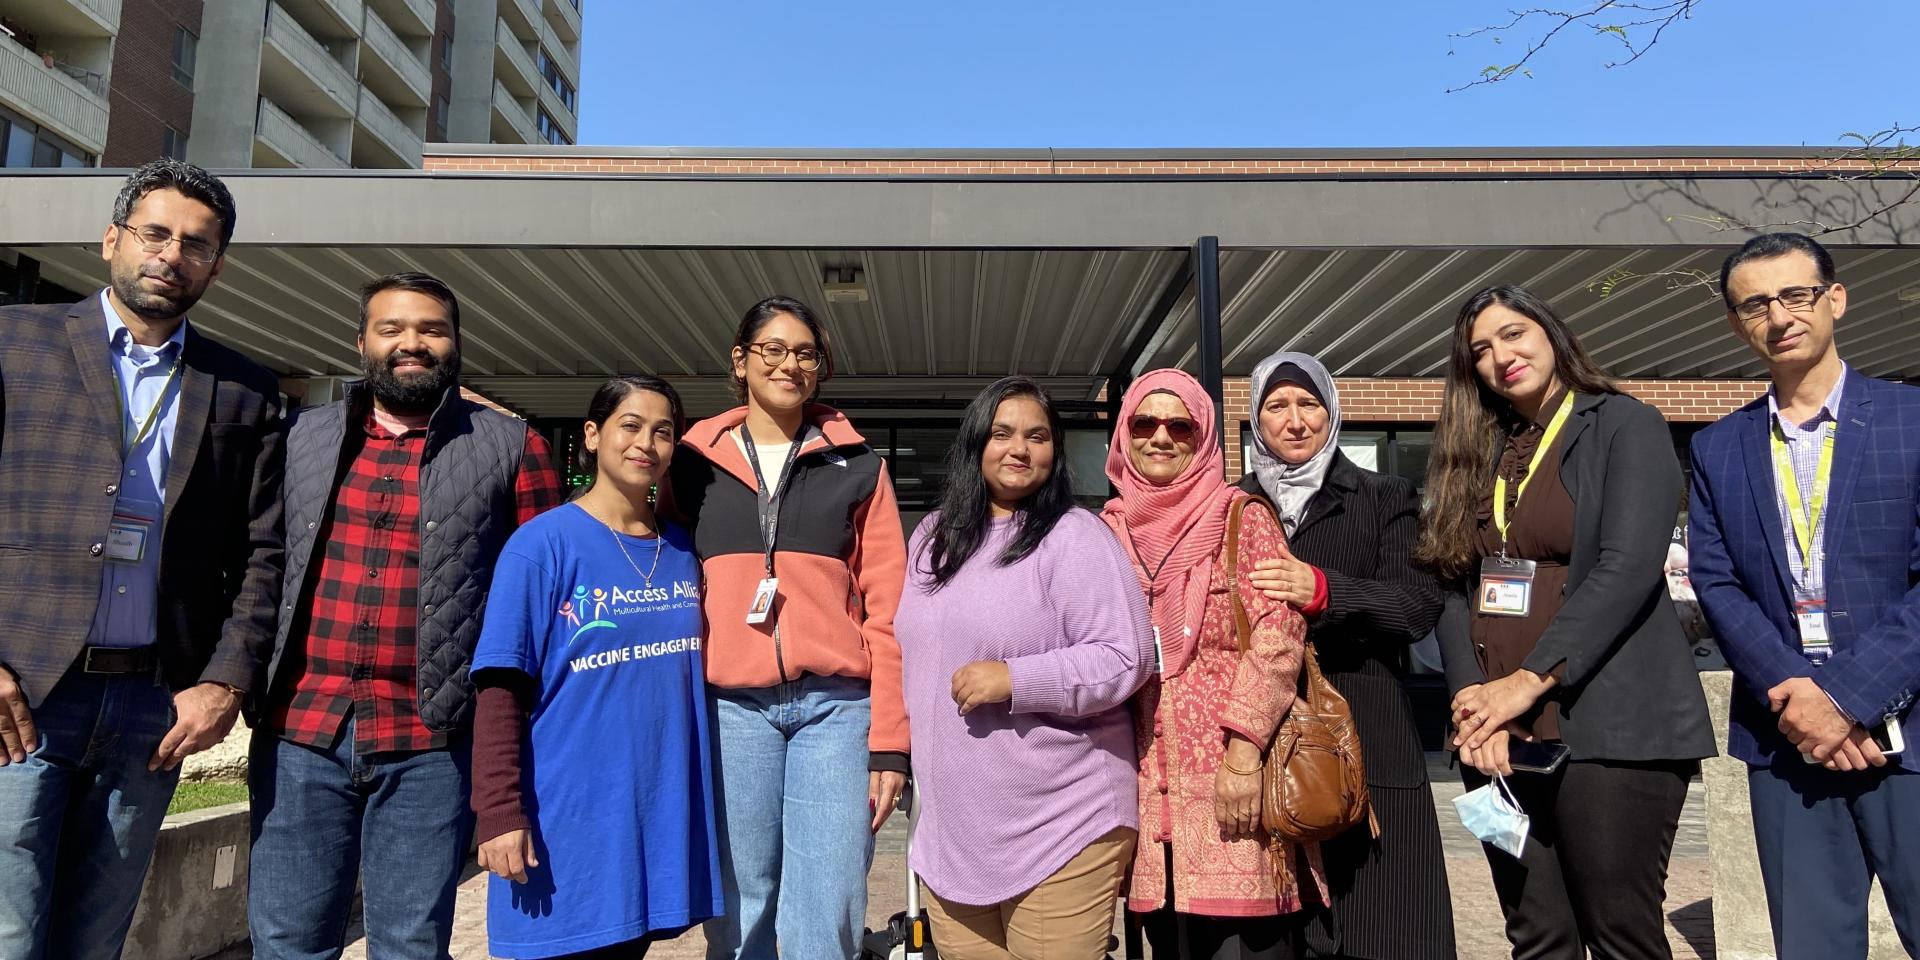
(282,83)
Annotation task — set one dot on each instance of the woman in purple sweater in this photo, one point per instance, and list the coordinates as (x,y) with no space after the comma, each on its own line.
(1023,632)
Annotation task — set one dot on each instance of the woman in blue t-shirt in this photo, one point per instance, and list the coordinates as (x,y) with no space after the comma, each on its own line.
(591,775)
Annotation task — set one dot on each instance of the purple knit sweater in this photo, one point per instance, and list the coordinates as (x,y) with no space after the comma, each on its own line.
(1013,791)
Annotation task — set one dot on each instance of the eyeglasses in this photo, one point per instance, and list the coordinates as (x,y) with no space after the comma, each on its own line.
(1180,429)
(155,239)
(1795,299)
(774,353)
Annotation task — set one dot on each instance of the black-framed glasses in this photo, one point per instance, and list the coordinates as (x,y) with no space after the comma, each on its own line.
(775,353)
(155,239)
(1180,429)
(1795,299)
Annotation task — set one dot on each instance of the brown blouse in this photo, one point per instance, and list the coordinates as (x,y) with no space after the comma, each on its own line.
(1540,528)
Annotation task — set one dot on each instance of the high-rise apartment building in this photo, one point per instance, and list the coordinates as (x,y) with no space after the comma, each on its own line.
(516,71)
(281,83)
(55,60)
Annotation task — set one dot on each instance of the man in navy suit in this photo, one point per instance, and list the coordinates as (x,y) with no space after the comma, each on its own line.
(1805,552)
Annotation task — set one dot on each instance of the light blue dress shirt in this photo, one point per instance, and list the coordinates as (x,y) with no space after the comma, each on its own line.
(147,381)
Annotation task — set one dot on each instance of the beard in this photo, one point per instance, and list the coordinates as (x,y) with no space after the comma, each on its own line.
(155,305)
(414,393)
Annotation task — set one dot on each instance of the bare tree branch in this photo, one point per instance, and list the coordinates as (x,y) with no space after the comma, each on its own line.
(1637,18)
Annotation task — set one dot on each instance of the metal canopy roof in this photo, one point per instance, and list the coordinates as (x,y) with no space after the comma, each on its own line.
(565,280)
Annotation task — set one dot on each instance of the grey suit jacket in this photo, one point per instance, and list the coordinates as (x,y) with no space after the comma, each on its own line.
(60,458)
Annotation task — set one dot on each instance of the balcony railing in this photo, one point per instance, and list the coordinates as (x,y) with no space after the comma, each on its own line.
(516,115)
(561,54)
(388,129)
(523,16)
(310,57)
(387,45)
(516,54)
(565,17)
(290,139)
(73,108)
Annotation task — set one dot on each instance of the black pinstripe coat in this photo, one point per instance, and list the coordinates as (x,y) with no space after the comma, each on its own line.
(1390,895)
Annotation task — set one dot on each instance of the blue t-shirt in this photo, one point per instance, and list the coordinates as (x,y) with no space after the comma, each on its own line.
(621,794)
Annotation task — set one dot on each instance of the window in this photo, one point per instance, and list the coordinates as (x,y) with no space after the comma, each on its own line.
(185,48)
(551,71)
(173,143)
(440,115)
(446,53)
(550,131)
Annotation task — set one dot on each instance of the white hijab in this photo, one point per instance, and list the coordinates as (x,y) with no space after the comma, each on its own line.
(1292,486)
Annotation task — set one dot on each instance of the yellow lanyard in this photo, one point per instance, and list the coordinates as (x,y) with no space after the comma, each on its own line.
(1539,453)
(1806,517)
(153,412)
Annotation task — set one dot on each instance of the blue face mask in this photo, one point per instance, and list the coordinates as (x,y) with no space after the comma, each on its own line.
(1492,814)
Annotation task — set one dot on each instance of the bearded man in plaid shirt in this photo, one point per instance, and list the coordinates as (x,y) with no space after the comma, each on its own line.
(405,493)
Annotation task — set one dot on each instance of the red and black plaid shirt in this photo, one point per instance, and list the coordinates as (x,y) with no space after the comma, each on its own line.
(362,623)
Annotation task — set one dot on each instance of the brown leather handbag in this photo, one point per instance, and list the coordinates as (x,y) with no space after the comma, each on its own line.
(1314,786)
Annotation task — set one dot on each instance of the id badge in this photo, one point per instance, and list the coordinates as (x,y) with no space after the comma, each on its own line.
(1810,616)
(1159,653)
(127,537)
(1506,587)
(763,600)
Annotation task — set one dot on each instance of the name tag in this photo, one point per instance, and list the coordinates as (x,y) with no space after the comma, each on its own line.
(127,534)
(1506,587)
(763,600)
(1810,616)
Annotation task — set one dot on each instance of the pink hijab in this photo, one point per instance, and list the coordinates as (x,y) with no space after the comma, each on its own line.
(1182,523)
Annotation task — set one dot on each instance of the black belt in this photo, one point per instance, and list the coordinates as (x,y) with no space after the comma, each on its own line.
(118,660)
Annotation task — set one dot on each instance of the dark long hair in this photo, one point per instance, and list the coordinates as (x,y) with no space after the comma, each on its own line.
(761,314)
(615,392)
(1465,438)
(965,503)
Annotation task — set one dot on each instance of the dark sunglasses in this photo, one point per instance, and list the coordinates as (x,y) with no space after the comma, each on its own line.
(1180,429)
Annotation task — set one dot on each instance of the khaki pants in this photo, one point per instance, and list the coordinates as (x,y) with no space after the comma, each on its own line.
(1067,917)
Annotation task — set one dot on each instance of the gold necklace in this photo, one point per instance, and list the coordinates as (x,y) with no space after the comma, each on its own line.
(659,539)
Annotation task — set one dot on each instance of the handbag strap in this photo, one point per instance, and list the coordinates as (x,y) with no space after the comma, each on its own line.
(1311,680)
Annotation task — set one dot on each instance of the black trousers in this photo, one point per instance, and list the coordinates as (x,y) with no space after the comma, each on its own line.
(1171,935)
(630,950)
(1593,876)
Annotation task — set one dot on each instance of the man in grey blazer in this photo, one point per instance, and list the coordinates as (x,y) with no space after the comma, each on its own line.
(140,555)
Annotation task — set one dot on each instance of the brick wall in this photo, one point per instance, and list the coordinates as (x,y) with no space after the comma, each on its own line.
(745,166)
(1417,400)
(144,98)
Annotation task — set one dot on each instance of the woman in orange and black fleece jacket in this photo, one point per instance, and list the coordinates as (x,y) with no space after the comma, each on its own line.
(799,538)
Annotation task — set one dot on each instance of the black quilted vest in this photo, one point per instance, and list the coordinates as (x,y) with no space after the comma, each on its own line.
(467,511)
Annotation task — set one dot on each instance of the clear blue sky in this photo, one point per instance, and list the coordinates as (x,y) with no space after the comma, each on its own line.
(1178,73)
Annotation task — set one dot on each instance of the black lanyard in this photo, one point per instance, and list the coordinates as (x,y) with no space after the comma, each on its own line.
(770,499)
(1153,593)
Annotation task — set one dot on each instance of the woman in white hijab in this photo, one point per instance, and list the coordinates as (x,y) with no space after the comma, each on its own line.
(1348,568)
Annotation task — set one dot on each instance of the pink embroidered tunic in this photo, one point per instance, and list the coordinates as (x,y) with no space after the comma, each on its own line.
(1180,727)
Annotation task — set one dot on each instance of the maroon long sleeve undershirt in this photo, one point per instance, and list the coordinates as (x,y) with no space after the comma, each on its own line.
(499,742)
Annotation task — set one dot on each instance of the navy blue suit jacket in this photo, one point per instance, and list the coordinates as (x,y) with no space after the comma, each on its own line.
(1737,559)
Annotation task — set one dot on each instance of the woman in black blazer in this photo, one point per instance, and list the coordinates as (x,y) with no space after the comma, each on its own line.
(1350,535)
(1587,652)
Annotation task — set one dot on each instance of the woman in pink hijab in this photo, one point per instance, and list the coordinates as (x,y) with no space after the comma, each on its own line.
(1204,871)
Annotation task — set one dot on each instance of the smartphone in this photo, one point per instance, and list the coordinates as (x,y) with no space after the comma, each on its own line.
(1536,756)
(1888,737)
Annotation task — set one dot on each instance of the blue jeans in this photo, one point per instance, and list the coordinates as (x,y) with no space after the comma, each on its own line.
(78,819)
(398,822)
(794,824)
